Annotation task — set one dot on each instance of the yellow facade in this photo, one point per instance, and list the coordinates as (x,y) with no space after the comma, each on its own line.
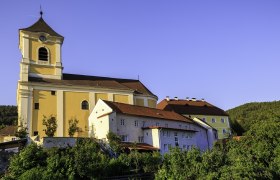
(72,109)
(139,102)
(35,45)
(47,107)
(217,124)
(152,103)
(42,70)
(103,96)
(120,98)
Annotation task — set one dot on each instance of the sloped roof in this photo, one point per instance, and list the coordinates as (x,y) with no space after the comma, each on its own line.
(146,112)
(190,107)
(96,81)
(8,131)
(139,146)
(41,26)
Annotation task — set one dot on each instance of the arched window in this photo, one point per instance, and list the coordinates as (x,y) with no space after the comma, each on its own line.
(43,54)
(85,105)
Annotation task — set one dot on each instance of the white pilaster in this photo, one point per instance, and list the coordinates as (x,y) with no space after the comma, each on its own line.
(130,99)
(91,101)
(59,112)
(110,97)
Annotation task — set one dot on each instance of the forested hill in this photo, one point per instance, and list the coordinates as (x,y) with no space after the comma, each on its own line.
(8,115)
(242,117)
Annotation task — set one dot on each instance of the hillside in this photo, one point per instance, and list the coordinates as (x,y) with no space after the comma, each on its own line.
(8,115)
(242,117)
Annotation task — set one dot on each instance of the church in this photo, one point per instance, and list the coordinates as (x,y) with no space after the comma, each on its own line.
(44,90)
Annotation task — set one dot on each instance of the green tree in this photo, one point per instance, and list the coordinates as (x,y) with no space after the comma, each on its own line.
(73,127)
(30,157)
(114,142)
(51,125)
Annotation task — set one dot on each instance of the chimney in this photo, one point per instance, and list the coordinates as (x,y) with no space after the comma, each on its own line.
(167,98)
(193,99)
(176,98)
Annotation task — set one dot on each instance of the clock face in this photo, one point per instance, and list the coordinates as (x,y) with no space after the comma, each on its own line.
(42,38)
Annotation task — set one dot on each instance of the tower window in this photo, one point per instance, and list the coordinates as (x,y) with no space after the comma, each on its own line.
(53,93)
(85,105)
(43,54)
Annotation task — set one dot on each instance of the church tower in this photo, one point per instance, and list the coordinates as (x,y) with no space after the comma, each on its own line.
(40,47)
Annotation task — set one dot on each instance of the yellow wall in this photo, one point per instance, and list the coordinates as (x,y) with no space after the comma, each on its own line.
(72,109)
(217,125)
(120,98)
(102,96)
(139,102)
(42,70)
(34,47)
(152,103)
(47,107)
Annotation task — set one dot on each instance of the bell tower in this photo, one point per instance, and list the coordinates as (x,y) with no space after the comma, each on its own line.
(40,47)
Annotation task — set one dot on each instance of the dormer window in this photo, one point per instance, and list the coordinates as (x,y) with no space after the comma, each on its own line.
(43,54)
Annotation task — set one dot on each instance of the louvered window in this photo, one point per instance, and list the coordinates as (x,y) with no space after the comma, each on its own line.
(43,54)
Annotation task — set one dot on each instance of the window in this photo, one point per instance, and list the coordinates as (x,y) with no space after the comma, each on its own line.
(35,133)
(53,93)
(204,119)
(165,147)
(122,122)
(175,134)
(36,106)
(166,125)
(168,133)
(169,146)
(213,120)
(224,131)
(157,124)
(143,125)
(180,126)
(184,146)
(141,139)
(176,141)
(222,120)
(124,138)
(43,54)
(85,105)
(136,123)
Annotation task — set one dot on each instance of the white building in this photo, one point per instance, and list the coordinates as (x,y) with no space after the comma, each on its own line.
(149,126)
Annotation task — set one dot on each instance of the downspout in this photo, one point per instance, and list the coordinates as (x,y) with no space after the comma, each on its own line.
(207,139)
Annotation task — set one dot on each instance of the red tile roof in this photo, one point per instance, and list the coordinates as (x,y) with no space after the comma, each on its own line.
(146,112)
(161,127)
(96,81)
(190,107)
(139,146)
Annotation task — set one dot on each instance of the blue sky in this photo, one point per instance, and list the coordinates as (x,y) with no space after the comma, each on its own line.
(227,52)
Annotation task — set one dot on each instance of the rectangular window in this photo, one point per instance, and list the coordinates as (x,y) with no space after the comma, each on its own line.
(204,119)
(169,146)
(166,125)
(222,120)
(175,134)
(180,126)
(165,147)
(157,124)
(122,122)
(184,146)
(124,138)
(143,125)
(141,139)
(213,120)
(168,133)
(53,93)
(36,106)
(224,131)
(176,141)
(136,123)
